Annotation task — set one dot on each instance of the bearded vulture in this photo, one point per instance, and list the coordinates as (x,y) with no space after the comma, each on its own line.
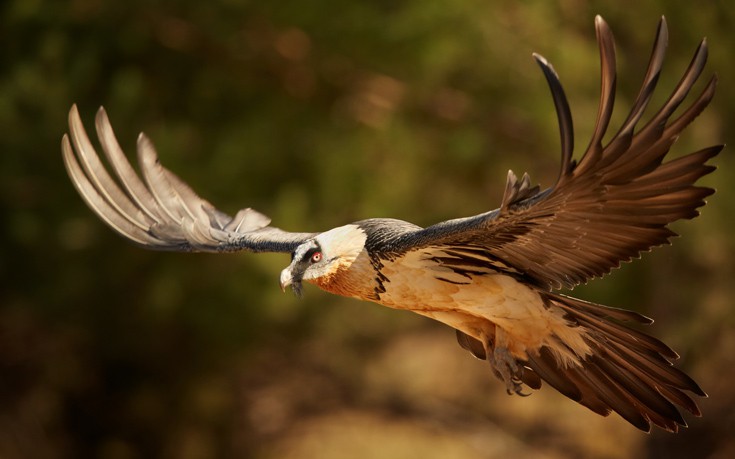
(493,277)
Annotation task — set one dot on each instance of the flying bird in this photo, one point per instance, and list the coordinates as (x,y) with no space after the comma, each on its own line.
(493,277)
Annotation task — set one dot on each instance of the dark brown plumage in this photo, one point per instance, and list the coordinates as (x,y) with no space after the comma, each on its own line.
(492,276)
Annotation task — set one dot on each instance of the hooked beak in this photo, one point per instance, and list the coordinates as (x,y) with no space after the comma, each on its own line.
(286,278)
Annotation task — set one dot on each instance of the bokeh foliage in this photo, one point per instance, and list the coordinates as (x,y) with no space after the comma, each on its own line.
(319,113)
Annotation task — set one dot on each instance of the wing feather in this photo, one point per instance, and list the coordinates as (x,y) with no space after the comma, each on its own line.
(608,208)
(98,176)
(116,220)
(134,187)
(161,211)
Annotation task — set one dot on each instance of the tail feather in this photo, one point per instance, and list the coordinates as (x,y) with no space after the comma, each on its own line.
(627,371)
(547,367)
(618,400)
(568,381)
(663,371)
(639,388)
(590,398)
(579,311)
(672,388)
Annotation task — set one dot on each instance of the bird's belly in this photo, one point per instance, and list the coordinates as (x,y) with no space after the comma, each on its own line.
(477,305)
(496,297)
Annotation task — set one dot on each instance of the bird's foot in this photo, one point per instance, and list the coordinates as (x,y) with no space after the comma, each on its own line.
(507,368)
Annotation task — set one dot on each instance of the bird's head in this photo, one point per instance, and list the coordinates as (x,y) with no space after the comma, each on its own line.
(325,259)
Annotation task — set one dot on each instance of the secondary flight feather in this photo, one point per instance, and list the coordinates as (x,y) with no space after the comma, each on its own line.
(492,277)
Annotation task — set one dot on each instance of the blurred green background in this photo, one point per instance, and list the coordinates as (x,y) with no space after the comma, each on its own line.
(319,113)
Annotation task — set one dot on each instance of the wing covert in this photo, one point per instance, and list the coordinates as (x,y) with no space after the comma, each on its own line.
(160,211)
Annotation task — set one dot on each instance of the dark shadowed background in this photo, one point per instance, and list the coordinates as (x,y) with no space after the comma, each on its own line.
(319,113)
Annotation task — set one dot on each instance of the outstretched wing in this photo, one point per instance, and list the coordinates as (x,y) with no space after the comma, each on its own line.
(159,212)
(607,209)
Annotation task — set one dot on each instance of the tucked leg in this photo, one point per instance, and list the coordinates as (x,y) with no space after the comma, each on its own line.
(504,364)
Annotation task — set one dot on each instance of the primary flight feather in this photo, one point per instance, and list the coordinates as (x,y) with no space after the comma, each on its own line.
(493,277)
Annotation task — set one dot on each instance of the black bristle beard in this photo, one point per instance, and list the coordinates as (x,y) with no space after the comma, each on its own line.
(298,289)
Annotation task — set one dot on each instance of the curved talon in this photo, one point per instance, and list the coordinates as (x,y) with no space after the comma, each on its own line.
(519,391)
(507,369)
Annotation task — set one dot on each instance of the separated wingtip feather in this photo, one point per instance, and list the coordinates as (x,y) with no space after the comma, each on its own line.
(600,24)
(564,116)
(157,210)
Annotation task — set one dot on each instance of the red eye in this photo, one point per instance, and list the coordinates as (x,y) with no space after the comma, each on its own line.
(316,257)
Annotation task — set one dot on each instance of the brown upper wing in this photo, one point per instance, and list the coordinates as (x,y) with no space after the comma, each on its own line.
(161,211)
(608,208)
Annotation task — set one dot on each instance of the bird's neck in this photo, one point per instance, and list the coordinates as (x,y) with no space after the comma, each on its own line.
(352,278)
